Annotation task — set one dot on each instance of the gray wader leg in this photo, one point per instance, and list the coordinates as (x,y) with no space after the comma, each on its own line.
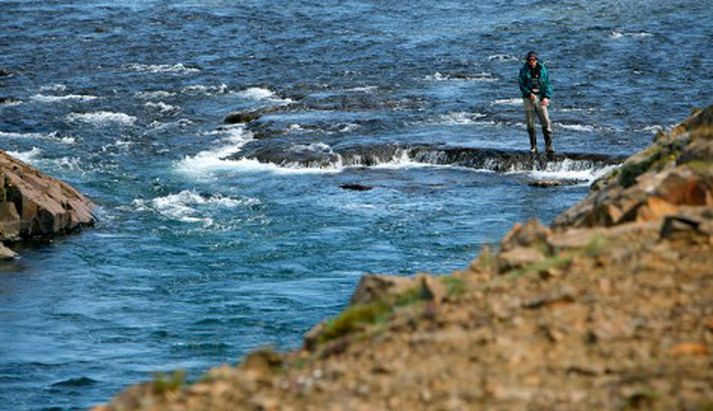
(533,139)
(548,140)
(544,117)
(530,113)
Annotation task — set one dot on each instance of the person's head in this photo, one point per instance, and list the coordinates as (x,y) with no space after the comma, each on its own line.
(531,58)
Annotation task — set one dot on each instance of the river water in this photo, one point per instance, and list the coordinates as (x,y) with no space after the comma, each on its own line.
(199,257)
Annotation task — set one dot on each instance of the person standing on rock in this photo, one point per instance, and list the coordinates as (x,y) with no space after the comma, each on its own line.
(536,88)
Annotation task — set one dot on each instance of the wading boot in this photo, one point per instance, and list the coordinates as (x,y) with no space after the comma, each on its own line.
(533,140)
(548,141)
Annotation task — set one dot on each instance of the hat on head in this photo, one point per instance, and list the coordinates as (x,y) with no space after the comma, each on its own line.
(531,54)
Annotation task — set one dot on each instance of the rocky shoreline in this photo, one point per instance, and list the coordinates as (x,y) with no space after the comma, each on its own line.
(34,205)
(609,308)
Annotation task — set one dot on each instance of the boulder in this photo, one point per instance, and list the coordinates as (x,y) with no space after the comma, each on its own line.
(673,172)
(35,205)
(518,257)
(525,235)
(239,117)
(380,287)
(6,253)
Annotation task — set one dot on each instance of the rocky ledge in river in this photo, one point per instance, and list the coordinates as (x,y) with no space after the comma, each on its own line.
(610,308)
(34,205)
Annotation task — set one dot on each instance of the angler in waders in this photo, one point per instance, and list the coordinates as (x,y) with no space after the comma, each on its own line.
(534,81)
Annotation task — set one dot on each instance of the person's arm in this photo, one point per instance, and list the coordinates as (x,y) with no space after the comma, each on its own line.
(522,82)
(547,88)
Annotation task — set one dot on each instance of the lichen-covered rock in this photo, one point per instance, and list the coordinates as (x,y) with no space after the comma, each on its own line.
(379,287)
(35,205)
(676,169)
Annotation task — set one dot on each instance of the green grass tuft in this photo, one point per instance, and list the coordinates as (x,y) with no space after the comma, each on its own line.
(166,382)
(454,286)
(353,318)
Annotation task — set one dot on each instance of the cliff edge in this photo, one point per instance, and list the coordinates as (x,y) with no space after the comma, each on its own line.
(34,205)
(609,308)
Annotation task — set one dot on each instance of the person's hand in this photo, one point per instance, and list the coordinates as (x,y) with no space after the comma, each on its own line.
(533,97)
(545,102)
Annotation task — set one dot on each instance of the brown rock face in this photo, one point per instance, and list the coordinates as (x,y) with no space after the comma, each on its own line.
(35,205)
(674,171)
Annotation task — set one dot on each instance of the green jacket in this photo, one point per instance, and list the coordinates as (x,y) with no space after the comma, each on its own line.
(525,81)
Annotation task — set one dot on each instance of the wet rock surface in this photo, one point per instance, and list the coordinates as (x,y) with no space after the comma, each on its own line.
(34,205)
(284,153)
(610,308)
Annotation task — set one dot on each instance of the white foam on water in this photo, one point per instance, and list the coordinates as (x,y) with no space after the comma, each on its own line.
(207,90)
(68,163)
(11,103)
(576,127)
(316,147)
(26,156)
(365,89)
(567,169)
(255,166)
(53,136)
(507,102)
(619,34)
(120,144)
(437,77)
(258,93)
(653,128)
(158,125)
(483,76)
(54,99)
(349,127)
(212,159)
(154,95)
(54,87)
(162,68)
(183,206)
(576,109)
(208,161)
(162,107)
(460,118)
(502,57)
(4,134)
(102,118)
(400,161)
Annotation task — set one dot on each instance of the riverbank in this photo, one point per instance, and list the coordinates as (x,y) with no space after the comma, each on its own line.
(610,308)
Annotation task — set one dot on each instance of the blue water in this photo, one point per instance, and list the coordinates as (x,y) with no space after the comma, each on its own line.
(197,259)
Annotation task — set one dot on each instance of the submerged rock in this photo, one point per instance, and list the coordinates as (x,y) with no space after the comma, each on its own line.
(33,204)
(355,187)
(551,182)
(248,116)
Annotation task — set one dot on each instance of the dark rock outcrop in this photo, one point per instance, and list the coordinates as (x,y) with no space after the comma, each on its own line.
(355,187)
(284,154)
(250,115)
(35,205)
